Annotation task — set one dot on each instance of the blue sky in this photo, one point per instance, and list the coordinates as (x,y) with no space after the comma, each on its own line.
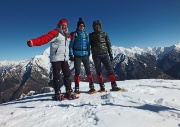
(129,23)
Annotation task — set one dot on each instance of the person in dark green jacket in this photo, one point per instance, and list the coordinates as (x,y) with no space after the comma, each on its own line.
(102,53)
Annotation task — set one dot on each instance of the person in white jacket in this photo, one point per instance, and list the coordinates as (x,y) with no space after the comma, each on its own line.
(59,39)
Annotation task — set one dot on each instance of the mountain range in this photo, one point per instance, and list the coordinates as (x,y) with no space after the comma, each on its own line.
(19,78)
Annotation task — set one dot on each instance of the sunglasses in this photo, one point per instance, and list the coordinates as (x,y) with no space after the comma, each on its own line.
(81,25)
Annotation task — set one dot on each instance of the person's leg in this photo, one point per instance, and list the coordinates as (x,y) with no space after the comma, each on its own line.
(101,82)
(77,66)
(107,64)
(67,81)
(85,61)
(97,62)
(90,78)
(76,81)
(56,66)
(66,73)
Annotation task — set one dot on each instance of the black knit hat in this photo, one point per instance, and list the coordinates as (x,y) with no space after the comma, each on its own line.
(80,22)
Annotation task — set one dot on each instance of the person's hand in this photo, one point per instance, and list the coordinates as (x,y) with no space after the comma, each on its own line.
(30,43)
(71,58)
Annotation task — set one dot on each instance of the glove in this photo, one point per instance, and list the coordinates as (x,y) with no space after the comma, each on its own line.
(111,58)
(71,58)
(30,43)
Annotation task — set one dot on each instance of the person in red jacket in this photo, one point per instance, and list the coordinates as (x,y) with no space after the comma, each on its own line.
(59,39)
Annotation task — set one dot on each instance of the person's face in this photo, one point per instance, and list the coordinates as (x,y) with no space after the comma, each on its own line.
(98,27)
(64,27)
(81,27)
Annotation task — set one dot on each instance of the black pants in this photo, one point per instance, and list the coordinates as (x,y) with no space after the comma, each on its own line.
(102,58)
(77,64)
(57,67)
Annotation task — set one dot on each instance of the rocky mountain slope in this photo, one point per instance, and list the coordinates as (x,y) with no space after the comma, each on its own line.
(22,77)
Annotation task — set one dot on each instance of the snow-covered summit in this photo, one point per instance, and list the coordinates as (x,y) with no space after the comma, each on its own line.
(43,60)
(8,63)
(177,46)
(157,51)
(46,52)
(130,52)
(148,103)
(12,64)
(162,51)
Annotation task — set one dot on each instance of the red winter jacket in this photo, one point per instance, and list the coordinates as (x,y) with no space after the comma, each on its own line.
(59,44)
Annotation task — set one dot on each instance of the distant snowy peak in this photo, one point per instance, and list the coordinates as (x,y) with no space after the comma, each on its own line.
(177,46)
(8,63)
(46,52)
(157,51)
(130,52)
(42,60)
(12,64)
(161,51)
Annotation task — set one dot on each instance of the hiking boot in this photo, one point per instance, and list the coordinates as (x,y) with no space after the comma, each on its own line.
(92,91)
(115,87)
(70,94)
(76,81)
(102,87)
(76,91)
(102,90)
(57,96)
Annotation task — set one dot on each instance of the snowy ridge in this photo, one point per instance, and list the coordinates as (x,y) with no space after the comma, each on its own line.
(157,51)
(162,51)
(42,61)
(148,103)
(13,64)
(129,52)
(8,63)
(39,61)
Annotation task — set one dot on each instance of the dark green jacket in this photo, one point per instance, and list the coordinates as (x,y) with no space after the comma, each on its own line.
(100,43)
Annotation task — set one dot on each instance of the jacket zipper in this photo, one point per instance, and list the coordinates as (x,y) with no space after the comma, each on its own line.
(65,49)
